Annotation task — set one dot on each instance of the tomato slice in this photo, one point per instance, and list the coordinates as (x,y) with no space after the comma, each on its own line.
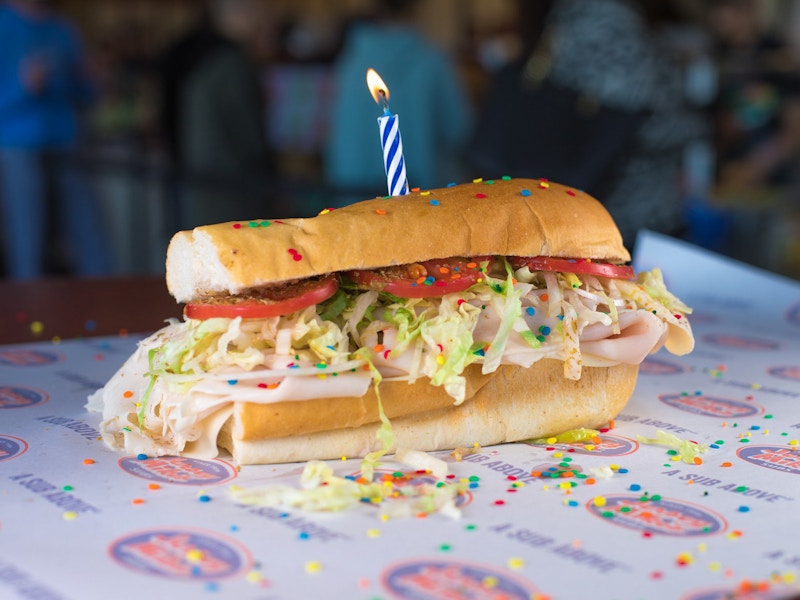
(266,302)
(572,265)
(425,279)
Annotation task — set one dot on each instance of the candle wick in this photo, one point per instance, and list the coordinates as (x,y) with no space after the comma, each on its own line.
(385,101)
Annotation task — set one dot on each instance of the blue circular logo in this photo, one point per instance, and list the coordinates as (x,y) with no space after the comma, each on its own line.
(793,314)
(708,406)
(435,579)
(659,366)
(17,396)
(774,592)
(20,357)
(661,516)
(604,445)
(609,445)
(181,554)
(406,479)
(739,342)
(11,447)
(790,372)
(180,470)
(778,458)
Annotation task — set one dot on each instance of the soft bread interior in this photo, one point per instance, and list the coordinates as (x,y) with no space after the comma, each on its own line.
(521,217)
(514,405)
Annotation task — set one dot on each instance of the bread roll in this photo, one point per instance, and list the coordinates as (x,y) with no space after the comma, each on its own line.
(514,217)
(254,421)
(514,404)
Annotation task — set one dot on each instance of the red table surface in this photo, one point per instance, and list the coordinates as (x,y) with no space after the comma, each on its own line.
(67,308)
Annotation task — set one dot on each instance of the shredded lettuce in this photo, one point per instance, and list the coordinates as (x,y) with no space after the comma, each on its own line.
(508,305)
(148,390)
(407,322)
(436,336)
(360,310)
(653,283)
(334,306)
(448,337)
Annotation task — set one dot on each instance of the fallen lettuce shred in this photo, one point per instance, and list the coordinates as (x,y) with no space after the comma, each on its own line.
(602,472)
(688,450)
(571,436)
(421,461)
(321,490)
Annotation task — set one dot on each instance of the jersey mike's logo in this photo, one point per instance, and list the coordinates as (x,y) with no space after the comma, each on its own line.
(433,579)
(609,445)
(17,396)
(791,372)
(793,314)
(739,342)
(752,591)
(179,469)
(400,480)
(181,554)
(545,471)
(661,516)
(709,406)
(11,447)
(659,366)
(779,458)
(22,357)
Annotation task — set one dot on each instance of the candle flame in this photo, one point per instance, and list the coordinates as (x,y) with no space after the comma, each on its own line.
(378,89)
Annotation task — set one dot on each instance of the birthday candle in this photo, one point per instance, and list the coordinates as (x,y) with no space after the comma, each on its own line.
(391,142)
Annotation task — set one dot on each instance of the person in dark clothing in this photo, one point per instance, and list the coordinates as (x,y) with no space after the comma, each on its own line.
(758,110)
(596,102)
(213,118)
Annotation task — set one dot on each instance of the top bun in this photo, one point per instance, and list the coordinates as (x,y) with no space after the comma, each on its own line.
(508,217)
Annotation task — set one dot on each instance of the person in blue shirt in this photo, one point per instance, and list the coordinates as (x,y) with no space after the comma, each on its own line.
(425,91)
(42,84)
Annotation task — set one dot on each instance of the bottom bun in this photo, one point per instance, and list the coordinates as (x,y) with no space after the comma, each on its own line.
(254,421)
(516,404)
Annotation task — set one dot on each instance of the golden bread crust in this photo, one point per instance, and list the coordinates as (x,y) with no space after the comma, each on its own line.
(516,217)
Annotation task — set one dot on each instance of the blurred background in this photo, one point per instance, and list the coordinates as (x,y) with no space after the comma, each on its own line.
(123,121)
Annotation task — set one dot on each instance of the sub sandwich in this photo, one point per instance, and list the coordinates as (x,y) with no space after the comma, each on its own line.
(482,313)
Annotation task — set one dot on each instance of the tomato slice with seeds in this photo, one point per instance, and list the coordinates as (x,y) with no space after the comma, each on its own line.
(266,302)
(426,279)
(572,265)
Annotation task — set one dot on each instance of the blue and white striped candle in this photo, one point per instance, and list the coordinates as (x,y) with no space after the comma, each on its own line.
(391,142)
